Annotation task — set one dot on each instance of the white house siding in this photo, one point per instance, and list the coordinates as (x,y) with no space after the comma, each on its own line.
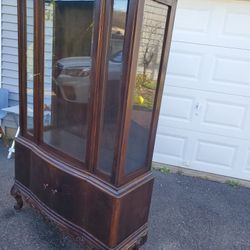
(10,53)
(205,113)
(48,52)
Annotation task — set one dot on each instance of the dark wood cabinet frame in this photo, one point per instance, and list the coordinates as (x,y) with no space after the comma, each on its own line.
(110,204)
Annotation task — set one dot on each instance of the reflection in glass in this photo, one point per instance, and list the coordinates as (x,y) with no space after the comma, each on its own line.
(30,67)
(112,88)
(68,43)
(153,30)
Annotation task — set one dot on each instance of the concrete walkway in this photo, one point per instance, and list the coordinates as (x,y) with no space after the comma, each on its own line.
(187,213)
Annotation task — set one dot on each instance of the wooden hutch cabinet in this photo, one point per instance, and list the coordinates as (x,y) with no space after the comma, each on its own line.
(91,81)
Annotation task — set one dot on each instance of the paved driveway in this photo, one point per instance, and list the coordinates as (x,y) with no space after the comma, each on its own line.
(187,213)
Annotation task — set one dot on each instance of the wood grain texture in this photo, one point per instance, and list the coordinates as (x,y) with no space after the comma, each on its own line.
(84,200)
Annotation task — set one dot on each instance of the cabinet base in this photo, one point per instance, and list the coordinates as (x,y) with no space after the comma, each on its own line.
(20,193)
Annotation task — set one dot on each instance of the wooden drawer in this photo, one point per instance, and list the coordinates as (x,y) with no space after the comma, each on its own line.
(68,196)
(62,192)
(40,180)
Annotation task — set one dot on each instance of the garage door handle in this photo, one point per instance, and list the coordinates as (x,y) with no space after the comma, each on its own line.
(197,108)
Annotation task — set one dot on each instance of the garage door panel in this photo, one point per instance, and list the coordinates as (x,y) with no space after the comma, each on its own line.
(198,20)
(214,154)
(177,148)
(202,152)
(209,153)
(224,115)
(230,72)
(221,70)
(176,151)
(189,63)
(218,23)
(220,155)
(180,107)
(193,21)
(234,30)
(206,112)
(185,65)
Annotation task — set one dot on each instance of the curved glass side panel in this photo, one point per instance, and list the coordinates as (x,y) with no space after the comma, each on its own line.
(147,74)
(30,64)
(112,88)
(67,70)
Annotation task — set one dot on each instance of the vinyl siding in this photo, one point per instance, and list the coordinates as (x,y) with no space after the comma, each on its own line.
(10,54)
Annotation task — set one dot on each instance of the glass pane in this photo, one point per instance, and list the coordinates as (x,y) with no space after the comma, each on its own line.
(112,87)
(68,43)
(30,67)
(150,53)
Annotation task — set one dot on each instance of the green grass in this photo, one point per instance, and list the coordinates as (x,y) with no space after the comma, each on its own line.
(164,170)
(147,104)
(232,183)
(145,87)
(150,85)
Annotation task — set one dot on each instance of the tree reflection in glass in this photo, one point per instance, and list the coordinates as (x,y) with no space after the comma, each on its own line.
(149,62)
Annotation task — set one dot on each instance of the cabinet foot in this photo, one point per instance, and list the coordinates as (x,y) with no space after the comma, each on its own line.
(18,197)
(140,242)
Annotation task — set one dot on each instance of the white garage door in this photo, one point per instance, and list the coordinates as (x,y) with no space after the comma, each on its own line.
(205,114)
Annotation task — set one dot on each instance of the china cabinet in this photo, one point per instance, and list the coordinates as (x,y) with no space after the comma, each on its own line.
(91,80)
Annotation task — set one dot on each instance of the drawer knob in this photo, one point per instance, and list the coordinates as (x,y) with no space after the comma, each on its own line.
(54,191)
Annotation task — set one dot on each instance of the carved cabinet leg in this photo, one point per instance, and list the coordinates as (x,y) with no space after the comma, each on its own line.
(17,195)
(136,247)
(140,242)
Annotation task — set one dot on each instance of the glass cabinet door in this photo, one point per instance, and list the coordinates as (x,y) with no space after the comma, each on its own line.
(30,65)
(147,80)
(67,75)
(112,88)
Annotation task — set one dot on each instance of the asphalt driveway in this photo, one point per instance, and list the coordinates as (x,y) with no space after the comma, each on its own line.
(187,213)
